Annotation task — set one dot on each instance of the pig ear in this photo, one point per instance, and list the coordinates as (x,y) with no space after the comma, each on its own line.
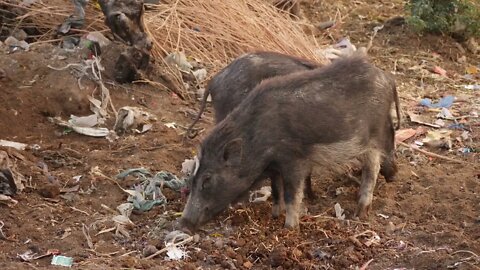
(232,153)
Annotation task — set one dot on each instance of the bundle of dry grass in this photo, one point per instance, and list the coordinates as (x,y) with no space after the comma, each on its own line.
(214,31)
(217,30)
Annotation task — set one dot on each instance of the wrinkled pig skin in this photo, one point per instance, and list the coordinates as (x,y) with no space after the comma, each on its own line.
(324,117)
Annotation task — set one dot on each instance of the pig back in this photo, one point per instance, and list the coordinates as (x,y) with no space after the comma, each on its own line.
(233,83)
(348,99)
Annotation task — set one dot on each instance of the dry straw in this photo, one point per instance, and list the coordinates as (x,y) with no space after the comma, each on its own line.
(214,31)
(217,30)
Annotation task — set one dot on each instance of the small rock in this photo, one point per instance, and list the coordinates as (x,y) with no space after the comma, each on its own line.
(278,256)
(49,191)
(473,46)
(201,255)
(219,243)
(462,59)
(230,253)
(11,41)
(188,266)
(128,262)
(210,260)
(19,34)
(297,253)
(196,238)
(390,228)
(247,264)
(7,184)
(320,255)
(149,250)
(200,74)
(225,264)
(325,25)
(240,242)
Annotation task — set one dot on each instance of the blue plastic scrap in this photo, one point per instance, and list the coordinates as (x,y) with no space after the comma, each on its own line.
(444,102)
(457,126)
(62,261)
(134,171)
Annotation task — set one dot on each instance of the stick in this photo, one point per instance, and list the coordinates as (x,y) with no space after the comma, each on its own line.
(78,210)
(430,154)
(364,267)
(347,220)
(87,236)
(466,251)
(166,248)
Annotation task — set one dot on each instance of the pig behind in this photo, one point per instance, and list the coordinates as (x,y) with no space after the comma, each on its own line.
(234,82)
(325,117)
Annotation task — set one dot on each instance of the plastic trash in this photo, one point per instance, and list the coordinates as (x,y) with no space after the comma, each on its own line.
(62,261)
(444,102)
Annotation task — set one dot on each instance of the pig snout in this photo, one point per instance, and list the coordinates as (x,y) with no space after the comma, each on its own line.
(193,216)
(186,225)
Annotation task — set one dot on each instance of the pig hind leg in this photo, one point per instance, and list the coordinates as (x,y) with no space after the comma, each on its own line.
(370,170)
(308,188)
(278,204)
(388,167)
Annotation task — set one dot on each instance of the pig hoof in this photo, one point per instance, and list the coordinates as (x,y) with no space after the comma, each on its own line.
(291,222)
(291,225)
(390,179)
(362,213)
(276,210)
(312,197)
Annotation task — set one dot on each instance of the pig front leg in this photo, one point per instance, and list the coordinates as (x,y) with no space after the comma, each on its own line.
(294,176)
(278,205)
(370,170)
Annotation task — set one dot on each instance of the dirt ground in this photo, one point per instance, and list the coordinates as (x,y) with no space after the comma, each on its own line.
(429,218)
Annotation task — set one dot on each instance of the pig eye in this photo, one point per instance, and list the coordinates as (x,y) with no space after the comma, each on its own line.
(205,181)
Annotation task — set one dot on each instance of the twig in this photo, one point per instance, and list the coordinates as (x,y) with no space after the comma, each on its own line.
(365,265)
(105,231)
(466,251)
(87,236)
(430,154)
(375,31)
(103,254)
(78,210)
(2,235)
(128,253)
(189,239)
(334,218)
(44,41)
(97,172)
